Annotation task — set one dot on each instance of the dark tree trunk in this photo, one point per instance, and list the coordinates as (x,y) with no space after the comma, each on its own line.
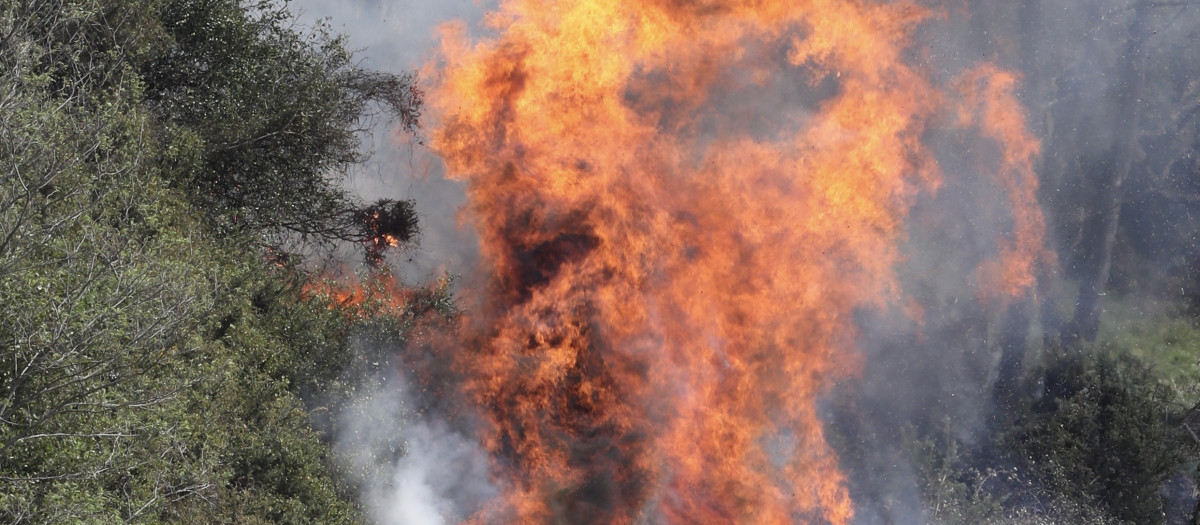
(1102,228)
(1018,317)
(1013,335)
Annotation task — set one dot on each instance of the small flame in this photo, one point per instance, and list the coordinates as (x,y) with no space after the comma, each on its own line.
(378,291)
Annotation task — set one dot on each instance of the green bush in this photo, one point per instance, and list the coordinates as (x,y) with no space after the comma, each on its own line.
(154,363)
(1094,446)
(1105,430)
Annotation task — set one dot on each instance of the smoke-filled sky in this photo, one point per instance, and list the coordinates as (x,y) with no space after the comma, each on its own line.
(392,34)
(399,36)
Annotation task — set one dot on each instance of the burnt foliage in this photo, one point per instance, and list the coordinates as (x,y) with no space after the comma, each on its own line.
(387,224)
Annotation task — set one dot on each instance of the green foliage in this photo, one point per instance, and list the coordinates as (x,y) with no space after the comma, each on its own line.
(260,120)
(116,406)
(276,111)
(960,489)
(370,321)
(1169,344)
(1095,446)
(100,285)
(954,491)
(1104,431)
(153,369)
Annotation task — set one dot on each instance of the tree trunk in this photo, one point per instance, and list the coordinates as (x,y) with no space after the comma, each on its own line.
(1013,335)
(1107,212)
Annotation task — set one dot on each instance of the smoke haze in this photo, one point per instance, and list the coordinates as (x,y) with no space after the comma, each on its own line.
(439,475)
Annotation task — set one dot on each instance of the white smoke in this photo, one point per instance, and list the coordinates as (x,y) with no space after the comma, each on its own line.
(442,473)
(413,469)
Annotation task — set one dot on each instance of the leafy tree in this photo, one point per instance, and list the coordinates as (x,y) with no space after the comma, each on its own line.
(276,113)
(133,302)
(1096,446)
(1105,430)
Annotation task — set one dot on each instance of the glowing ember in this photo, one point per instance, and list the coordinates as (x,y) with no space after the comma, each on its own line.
(676,260)
(386,224)
(378,292)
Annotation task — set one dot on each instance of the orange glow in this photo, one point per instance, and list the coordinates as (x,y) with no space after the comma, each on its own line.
(675,257)
(378,292)
(989,104)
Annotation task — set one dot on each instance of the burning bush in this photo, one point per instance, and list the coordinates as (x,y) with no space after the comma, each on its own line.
(387,224)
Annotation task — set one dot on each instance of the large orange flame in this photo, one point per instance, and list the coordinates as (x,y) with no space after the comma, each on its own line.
(676,258)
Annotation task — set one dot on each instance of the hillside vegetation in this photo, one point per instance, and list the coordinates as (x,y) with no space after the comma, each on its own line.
(161,353)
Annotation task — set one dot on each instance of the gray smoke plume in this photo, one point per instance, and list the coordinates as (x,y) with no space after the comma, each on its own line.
(414,469)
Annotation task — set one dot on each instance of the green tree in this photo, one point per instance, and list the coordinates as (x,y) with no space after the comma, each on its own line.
(1105,431)
(276,113)
(152,360)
